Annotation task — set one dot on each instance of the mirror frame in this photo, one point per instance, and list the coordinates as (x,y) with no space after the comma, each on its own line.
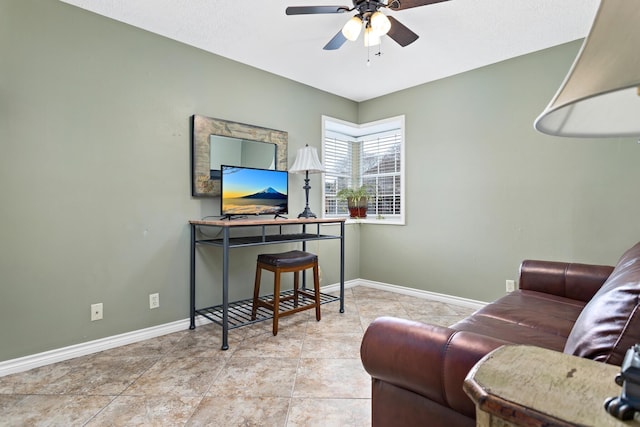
(203,127)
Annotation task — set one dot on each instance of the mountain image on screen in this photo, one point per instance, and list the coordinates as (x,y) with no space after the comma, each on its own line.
(267,193)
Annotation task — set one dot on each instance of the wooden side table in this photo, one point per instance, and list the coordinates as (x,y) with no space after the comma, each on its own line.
(519,385)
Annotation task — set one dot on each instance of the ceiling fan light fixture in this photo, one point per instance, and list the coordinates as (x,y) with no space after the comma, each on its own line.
(371,38)
(380,24)
(352,28)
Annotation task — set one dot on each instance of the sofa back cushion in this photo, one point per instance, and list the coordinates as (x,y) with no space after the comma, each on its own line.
(610,323)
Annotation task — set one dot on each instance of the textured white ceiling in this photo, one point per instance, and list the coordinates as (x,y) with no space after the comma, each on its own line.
(455,36)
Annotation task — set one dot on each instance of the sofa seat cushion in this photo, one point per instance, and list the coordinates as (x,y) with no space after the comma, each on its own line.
(525,308)
(610,323)
(511,332)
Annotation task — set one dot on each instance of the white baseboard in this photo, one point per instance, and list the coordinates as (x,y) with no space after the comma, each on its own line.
(336,286)
(65,353)
(448,299)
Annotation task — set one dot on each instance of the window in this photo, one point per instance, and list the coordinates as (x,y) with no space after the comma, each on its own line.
(371,155)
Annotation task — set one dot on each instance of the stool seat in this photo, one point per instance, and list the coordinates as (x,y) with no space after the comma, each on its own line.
(286,262)
(288,259)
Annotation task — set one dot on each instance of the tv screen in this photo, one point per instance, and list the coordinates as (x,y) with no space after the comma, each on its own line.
(251,191)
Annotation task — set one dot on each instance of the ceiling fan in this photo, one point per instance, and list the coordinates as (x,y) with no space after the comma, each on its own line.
(368,15)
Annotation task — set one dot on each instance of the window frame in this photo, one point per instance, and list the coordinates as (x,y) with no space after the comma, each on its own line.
(357,133)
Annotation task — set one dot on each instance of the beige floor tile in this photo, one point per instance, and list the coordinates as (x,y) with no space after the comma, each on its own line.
(332,346)
(284,345)
(382,308)
(434,307)
(350,310)
(241,411)
(178,376)
(335,323)
(33,380)
(204,343)
(256,377)
(350,306)
(157,411)
(334,413)
(48,410)
(365,293)
(332,378)
(105,375)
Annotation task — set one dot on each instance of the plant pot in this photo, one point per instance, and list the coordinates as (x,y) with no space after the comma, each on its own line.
(358,212)
(357,208)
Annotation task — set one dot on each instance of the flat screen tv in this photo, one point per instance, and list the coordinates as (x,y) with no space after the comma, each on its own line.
(252,191)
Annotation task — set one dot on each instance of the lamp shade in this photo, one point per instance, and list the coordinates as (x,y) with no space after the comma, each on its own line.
(599,96)
(307,161)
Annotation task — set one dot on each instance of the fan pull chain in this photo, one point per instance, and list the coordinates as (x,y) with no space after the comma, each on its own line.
(378,54)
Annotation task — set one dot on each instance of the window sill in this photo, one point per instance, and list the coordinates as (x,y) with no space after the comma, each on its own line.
(373,220)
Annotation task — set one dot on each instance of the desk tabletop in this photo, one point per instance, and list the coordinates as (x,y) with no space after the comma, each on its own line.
(244,222)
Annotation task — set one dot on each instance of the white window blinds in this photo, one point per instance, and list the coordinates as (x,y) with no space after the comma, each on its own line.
(372,160)
(339,172)
(381,171)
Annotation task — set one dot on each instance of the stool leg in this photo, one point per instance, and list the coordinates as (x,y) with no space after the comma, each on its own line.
(296,284)
(256,293)
(316,289)
(276,301)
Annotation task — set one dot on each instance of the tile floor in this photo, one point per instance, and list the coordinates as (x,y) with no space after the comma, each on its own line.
(308,375)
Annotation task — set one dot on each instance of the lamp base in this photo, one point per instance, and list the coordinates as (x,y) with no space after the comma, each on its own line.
(306,213)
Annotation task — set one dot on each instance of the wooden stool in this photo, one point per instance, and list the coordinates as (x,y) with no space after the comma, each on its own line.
(286,262)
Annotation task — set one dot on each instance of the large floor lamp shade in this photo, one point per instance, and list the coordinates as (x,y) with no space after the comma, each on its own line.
(307,162)
(599,96)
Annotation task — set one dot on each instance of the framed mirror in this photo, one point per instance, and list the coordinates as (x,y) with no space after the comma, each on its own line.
(216,142)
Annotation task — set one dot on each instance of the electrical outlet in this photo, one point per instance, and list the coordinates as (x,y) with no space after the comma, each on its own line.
(154,300)
(96,311)
(511,285)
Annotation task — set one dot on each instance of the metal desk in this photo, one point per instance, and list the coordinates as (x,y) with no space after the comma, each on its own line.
(271,231)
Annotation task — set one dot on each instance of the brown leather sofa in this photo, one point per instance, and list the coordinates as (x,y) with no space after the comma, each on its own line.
(418,369)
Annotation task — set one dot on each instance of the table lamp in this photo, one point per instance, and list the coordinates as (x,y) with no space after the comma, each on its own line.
(307,162)
(600,97)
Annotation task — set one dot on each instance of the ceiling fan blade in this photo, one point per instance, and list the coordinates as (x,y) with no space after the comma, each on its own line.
(308,10)
(408,4)
(401,34)
(337,41)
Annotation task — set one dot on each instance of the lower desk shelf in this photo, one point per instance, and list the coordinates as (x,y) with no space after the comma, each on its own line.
(240,311)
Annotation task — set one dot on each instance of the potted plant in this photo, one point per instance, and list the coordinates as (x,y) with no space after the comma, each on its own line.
(357,199)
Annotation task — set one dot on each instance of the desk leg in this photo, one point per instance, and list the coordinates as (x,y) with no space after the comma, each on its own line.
(225,290)
(192,285)
(304,249)
(342,267)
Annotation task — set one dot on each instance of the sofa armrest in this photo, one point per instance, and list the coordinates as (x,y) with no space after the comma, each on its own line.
(429,360)
(570,280)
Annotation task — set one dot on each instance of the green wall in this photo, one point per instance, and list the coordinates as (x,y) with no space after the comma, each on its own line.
(485,190)
(95,191)
(95,175)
